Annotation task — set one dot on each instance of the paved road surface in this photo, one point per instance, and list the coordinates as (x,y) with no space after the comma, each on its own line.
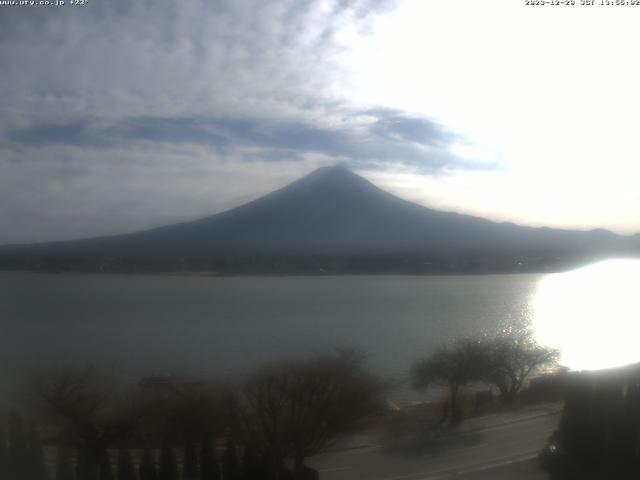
(503,451)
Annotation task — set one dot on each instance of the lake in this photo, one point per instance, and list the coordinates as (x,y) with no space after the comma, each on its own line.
(228,325)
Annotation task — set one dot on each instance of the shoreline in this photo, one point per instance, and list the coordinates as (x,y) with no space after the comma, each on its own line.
(215,274)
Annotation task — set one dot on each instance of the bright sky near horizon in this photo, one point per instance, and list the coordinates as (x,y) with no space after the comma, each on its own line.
(550,93)
(120,116)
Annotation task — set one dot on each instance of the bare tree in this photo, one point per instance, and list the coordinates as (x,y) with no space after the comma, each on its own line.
(183,408)
(290,411)
(511,359)
(91,413)
(453,367)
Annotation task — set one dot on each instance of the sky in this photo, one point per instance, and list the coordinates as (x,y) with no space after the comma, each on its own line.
(119,116)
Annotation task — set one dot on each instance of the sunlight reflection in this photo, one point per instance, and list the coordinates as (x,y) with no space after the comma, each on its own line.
(592,314)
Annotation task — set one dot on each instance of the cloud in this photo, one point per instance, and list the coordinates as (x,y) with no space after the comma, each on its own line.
(395,124)
(222,73)
(124,115)
(111,60)
(362,137)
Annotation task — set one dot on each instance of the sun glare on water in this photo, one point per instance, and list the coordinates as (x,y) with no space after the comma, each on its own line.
(592,314)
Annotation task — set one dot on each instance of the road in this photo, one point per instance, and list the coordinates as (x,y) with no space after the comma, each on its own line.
(491,451)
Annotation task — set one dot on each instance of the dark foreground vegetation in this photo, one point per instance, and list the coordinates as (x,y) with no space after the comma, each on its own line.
(168,428)
(86,425)
(599,433)
(83,424)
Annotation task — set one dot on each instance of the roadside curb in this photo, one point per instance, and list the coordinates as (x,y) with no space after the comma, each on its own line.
(463,430)
(509,422)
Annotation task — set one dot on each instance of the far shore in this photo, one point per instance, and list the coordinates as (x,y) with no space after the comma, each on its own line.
(215,274)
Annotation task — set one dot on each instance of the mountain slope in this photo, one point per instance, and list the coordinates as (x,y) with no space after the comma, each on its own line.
(332,211)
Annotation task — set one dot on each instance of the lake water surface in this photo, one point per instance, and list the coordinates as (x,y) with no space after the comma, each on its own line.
(228,326)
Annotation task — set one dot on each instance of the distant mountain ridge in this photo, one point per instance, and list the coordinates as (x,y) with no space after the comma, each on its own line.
(330,212)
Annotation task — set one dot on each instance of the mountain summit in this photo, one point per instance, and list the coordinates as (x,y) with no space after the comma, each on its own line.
(330,212)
